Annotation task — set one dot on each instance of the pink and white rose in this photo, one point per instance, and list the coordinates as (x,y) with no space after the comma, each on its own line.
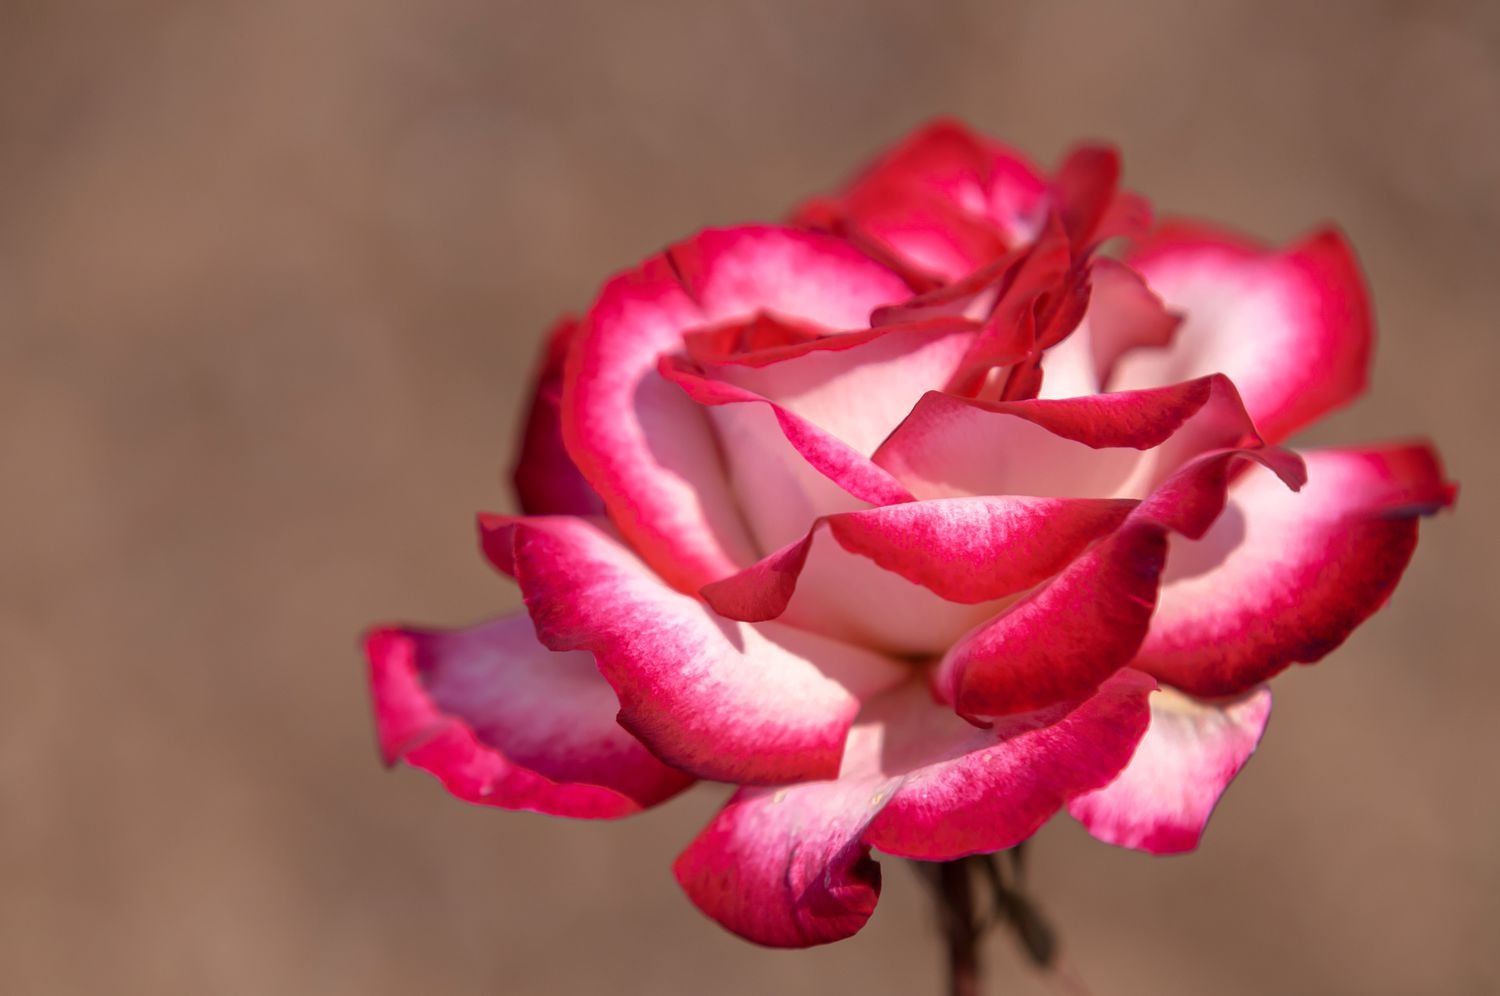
(919,520)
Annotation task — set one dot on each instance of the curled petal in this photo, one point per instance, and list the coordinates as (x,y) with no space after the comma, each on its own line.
(722,699)
(790,867)
(1062,640)
(1283,578)
(899,575)
(1292,327)
(1122,314)
(1109,445)
(857,386)
(943,201)
(786,470)
(503,721)
(1193,749)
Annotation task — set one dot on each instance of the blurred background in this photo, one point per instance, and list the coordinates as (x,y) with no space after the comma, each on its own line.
(271,277)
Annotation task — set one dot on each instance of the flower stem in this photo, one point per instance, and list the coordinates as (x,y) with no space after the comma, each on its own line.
(960,922)
(963,924)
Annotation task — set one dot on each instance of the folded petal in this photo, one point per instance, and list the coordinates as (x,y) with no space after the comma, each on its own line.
(1108,445)
(786,470)
(1090,202)
(1291,327)
(1058,643)
(1122,314)
(546,480)
(722,699)
(966,790)
(1284,578)
(790,867)
(503,721)
(857,386)
(1193,749)
(911,578)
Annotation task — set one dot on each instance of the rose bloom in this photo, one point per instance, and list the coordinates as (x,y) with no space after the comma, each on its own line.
(918,520)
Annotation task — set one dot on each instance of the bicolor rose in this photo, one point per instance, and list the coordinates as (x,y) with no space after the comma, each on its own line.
(960,500)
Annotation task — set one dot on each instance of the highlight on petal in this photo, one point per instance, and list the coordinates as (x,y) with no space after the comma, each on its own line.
(1193,749)
(721,699)
(503,721)
(1283,577)
(546,480)
(790,866)
(1292,327)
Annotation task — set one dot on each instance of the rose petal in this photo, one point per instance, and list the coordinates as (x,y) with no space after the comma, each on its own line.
(966,554)
(790,867)
(1290,327)
(1193,749)
(1283,578)
(650,452)
(546,480)
(503,721)
(786,470)
(721,699)
(1060,642)
(944,200)
(857,386)
(1122,314)
(1108,445)
(734,273)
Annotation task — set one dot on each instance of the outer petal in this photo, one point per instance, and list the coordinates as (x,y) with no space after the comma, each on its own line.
(546,480)
(503,721)
(721,699)
(734,273)
(790,867)
(1284,578)
(966,790)
(1291,328)
(1111,445)
(650,452)
(1162,800)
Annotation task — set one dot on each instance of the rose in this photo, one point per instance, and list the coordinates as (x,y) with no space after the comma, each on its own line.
(838,513)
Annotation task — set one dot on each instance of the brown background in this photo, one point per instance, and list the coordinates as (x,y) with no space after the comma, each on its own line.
(270,278)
